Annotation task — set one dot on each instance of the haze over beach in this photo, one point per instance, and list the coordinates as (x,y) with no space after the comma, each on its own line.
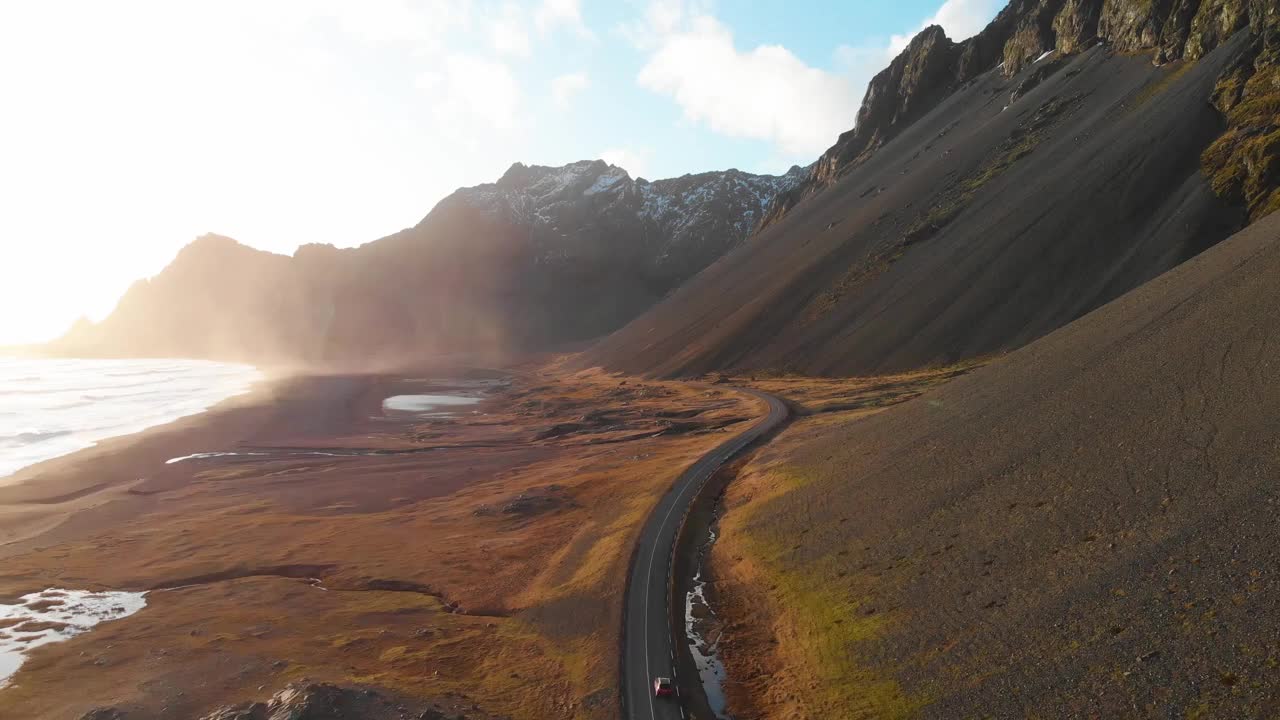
(528,359)
(53,407)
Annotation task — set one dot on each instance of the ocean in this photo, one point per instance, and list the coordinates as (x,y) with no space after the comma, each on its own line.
(50,408)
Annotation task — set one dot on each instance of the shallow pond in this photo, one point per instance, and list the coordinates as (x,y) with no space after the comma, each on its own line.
(425,403)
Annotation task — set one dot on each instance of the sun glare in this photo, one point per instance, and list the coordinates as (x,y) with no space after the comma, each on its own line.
(132,128)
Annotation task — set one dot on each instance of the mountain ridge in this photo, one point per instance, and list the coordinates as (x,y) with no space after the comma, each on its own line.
(932,66)
(951,222)
(545,255)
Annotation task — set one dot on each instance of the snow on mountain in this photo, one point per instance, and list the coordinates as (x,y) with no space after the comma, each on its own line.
(678,224)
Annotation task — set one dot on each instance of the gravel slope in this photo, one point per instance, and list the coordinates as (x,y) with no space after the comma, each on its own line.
(1085,528)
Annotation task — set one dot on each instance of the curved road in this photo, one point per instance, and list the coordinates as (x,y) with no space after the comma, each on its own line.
(647,650)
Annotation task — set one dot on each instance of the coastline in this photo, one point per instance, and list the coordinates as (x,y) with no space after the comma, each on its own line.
(55,406)
(351,546)
(106,471)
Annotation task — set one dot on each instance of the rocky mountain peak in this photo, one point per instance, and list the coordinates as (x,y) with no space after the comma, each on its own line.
(543,255)
(709,211)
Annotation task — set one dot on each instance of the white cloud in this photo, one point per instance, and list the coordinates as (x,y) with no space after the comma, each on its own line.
(960,18)
(565,87)
(664,16)
(423,25)
(470,91)
(552,14)
(509,32)
(661,18)
(766,93)
(634,160)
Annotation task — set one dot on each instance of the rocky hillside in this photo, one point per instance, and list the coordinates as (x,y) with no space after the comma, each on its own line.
(1082,529)
(543,256)
(933,67)
(674,227)
(993,190)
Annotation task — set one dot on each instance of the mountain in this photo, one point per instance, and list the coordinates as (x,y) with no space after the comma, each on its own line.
(991,191)
(543,256)
(1082,529)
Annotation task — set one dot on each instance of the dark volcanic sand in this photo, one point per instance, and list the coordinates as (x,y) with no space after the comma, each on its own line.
(1084,529)
(91,490)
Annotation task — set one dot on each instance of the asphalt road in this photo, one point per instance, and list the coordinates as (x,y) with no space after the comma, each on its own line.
(647,650)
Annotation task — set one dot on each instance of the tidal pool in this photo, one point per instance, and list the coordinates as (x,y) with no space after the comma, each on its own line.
(55,615)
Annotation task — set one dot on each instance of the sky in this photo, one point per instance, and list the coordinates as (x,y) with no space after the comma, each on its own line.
(131,127)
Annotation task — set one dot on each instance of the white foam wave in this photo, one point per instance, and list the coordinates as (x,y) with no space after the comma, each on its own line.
(53,407)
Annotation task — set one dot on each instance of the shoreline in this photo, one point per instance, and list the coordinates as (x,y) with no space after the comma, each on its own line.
(255,378)
(112,479)
(348,545)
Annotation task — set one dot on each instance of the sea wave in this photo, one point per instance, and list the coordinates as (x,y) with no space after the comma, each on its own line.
(52,407)
(34,436)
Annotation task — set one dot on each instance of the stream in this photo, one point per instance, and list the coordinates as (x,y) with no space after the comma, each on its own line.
(699,625)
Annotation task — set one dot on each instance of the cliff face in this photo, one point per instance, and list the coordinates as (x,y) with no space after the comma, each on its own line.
(913,83)
(545,255)
(1076,26)
(933,67)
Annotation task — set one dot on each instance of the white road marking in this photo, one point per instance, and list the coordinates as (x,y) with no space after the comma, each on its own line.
(648,584)
(730,450)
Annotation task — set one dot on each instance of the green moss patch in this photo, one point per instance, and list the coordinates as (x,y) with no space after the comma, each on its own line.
(1241,164)
(828,618)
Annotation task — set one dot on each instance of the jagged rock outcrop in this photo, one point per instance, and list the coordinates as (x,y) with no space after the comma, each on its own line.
(912,84)
(932,67)
(1243,164)
(983,224)
(545,255)
(917,79)
(1132,25)
(1076,26)
(1217,20)
(683,222)
(324,701)
(928,70)
(1033,34)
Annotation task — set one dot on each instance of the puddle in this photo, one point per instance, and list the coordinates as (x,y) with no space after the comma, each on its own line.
(206,455)
(290,454)
(421,406)
(425,403)
(699,628)
(55,615)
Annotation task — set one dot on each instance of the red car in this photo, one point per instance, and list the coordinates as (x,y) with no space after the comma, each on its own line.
(663,687)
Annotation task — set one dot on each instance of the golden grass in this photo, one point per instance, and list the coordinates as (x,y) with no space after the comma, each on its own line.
(543,591)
